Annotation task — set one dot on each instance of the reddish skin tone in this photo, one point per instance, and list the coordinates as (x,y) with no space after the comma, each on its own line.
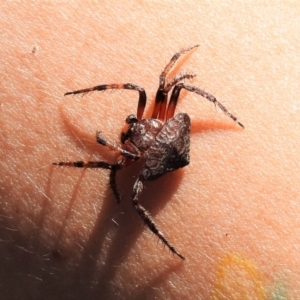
(58,232)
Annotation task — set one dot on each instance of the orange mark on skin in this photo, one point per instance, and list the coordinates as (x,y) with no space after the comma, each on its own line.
(237,278)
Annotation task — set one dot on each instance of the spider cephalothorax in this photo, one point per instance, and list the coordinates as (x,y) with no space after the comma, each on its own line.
(163,141)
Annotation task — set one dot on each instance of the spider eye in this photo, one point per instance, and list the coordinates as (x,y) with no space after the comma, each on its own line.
(131,119)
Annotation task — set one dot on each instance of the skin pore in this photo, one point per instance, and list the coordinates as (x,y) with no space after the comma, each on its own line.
(233,212)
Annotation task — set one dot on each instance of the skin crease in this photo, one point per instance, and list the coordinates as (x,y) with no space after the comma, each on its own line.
(62,234)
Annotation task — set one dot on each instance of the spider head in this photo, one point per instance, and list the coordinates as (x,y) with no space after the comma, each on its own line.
(130,120)
(141,133)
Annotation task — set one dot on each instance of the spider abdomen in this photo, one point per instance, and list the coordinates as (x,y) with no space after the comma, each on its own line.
(170,149)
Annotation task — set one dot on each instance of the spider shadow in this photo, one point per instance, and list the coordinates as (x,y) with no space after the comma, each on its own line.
(199,126)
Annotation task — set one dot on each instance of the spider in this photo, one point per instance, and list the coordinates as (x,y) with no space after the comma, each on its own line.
(163,142)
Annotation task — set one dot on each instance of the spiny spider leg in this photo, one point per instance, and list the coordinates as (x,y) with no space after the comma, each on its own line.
(176,79)
(126,86)
(137,190)
(126,158)
(168,87)
(112,181)
(161,95)
(119,150)
(193,89)
(173,60)
(97,164)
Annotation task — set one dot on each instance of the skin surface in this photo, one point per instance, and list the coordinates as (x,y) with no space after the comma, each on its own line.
(233,212)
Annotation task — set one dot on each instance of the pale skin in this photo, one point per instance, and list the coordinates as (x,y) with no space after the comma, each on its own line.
(234,210)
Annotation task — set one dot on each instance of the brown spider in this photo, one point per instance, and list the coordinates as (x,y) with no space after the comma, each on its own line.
(163,141)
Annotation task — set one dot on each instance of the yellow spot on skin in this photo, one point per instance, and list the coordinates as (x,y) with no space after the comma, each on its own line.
(237,278)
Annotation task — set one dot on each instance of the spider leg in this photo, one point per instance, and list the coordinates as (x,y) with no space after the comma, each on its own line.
(118,149)
(176,79)
(126,86)
(145,216)
(125,159)
(97,164)
(161,95)
(168,87)
(193,89)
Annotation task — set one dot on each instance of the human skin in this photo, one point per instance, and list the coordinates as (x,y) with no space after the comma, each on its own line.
(233,212)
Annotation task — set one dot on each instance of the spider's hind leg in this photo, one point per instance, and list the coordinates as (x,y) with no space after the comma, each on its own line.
(201,92)
(145,216)
(175,80)
(162,94)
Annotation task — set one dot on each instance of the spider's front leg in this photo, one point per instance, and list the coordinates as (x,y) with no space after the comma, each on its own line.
(123,152)
(123,86)
(125,158)
(95,165)
(196,90)
(144,214)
